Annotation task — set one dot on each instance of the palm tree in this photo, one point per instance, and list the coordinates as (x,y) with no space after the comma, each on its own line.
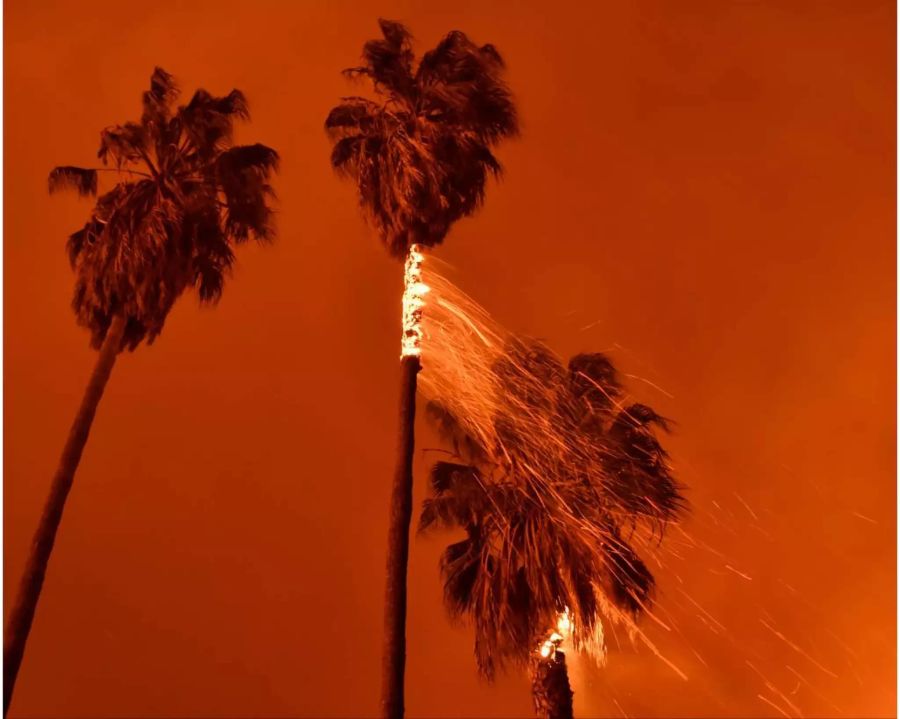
(185,197)
(549,542)
(420,154)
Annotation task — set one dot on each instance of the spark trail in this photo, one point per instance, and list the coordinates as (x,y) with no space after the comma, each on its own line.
(542,430)
(559,439)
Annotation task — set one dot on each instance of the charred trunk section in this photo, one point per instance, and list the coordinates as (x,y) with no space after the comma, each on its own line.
(550,690)
(394,656)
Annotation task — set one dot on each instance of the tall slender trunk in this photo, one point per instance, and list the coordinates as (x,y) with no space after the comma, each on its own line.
(22,615)
(550,690)
(394,653)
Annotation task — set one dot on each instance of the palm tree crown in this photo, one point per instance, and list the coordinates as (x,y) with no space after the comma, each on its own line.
(189,197)
(421,154)
(538,545)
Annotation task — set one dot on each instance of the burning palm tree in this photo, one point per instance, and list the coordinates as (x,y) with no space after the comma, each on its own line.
(185,197)
(547,495)
(420,154)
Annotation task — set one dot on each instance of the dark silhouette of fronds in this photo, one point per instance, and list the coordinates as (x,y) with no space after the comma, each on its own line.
(421,152)
(184,199)
(536,545)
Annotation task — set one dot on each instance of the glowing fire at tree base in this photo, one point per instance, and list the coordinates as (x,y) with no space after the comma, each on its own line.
(558,636)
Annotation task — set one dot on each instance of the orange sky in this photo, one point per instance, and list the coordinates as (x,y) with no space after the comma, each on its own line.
(705,188)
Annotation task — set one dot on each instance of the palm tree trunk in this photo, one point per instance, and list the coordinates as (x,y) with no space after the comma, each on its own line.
(22,615)
(394,656)
(550,690)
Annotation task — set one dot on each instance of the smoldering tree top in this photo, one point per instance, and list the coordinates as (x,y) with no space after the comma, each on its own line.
(187,198)
(421,152)
(551,507)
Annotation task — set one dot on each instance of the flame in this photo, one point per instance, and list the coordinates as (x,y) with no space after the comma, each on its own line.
(414,291)
(564,623)
(564,627)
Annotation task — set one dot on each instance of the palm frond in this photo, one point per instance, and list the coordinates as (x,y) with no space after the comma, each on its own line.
(158,99)
(462,85)
(356,114)
(540,543)
(389,61)
(147,241)
(450,430)
(257,158)
(209,121)
(593,377)
(347,154)
(82,180)
(163,87)
(460,497)
(123,144)
(639,465)
(421,157)
(629,582)
(213,256)
(460,569)
(243,174)
(441,513)
(449,476)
